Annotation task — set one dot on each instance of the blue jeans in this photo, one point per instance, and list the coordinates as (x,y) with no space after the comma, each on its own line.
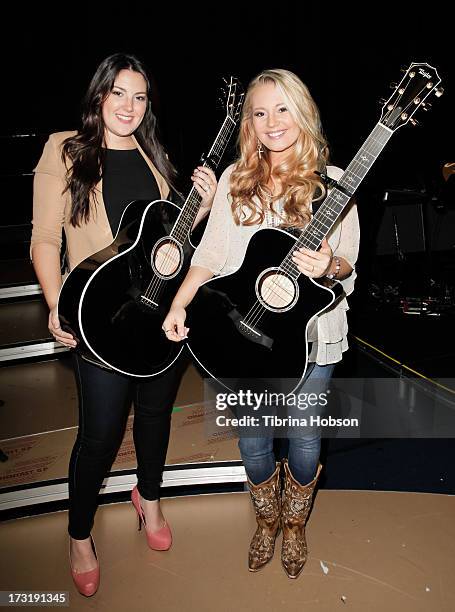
(303,454)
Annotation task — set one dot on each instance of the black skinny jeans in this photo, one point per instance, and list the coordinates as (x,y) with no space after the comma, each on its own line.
(104,401)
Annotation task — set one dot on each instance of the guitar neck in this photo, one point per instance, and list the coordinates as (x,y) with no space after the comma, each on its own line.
(185,220)
(336,201)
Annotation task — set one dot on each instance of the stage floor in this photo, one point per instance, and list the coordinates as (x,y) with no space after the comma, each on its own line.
(368,551)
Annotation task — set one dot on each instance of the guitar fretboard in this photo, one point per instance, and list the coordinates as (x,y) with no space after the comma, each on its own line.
(189,211)
(336,201)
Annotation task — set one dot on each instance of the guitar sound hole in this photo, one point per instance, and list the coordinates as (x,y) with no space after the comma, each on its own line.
(167,258)
(277,291)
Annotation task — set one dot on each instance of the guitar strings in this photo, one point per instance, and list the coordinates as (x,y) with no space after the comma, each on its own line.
(218,149)
(188,213)
(192,204)
(156,283)
(189,210)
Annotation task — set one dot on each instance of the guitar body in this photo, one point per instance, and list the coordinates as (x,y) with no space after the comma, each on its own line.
(75,282)
(114,302)
(249,329)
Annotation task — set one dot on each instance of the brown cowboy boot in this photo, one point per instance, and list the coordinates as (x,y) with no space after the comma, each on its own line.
(296,507)
(266,500)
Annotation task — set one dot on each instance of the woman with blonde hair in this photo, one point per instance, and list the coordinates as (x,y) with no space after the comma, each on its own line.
(275,182)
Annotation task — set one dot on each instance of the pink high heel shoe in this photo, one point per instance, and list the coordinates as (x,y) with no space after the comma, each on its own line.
(157,540)
(87,583)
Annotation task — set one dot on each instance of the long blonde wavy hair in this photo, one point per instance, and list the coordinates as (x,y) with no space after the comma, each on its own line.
(251,173)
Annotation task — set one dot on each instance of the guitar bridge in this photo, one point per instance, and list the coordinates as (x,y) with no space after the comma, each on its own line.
(148,302)
(248,331)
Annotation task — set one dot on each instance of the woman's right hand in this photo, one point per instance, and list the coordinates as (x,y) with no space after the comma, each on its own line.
(57,331)
(174,324)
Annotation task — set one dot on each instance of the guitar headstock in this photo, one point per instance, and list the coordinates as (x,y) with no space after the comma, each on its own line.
(418,85)
(232,97)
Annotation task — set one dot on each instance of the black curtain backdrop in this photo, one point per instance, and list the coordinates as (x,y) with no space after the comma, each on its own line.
(347,56)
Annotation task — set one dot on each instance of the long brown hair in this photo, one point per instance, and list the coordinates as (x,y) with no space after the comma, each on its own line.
(252,172)
(83,154)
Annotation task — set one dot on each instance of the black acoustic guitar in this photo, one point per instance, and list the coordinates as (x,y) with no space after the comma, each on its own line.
(114,302)
(248,329)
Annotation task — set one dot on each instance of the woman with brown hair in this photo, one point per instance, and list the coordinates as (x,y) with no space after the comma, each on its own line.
(83,182)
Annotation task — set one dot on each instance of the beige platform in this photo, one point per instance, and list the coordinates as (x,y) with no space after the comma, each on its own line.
(41,397)
(43,457)
(369,552)
(38,429)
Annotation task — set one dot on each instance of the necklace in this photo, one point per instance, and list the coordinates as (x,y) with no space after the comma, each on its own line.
(272,219)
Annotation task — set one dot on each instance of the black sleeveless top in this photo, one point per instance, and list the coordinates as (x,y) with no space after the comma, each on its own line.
(126,177)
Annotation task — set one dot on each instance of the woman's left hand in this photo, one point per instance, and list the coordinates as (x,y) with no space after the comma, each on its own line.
(314,264)
(205,184)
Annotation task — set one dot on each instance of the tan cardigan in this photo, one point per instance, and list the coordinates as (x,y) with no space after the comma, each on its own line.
(52,207)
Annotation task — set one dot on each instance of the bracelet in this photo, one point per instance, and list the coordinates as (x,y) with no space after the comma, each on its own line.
(337,268)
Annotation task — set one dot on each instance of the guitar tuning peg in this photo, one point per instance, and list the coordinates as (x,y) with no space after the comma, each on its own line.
(426,106)
(439,91)
(382,101)
(414,122)
(403,69)
(393,85)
